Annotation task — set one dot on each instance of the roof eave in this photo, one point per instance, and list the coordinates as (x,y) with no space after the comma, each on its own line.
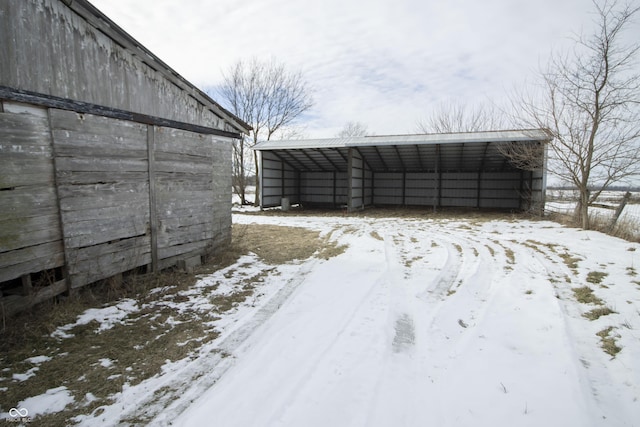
(104,24)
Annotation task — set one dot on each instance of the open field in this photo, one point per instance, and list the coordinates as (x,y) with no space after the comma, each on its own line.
(385,319)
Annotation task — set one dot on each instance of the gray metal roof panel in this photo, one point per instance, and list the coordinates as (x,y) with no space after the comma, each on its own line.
(423,139)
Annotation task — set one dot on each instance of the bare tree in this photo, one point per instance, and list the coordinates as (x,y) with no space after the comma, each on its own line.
(529,156)
(455,117)
(352,129)
(269,98)
(589,99)
(290,133)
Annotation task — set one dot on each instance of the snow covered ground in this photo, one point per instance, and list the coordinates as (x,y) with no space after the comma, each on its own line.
(420,322)
(441,323)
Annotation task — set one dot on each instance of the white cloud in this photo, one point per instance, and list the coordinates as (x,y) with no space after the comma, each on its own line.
(385,63)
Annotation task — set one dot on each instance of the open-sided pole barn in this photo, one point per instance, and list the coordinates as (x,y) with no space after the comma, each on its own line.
(109,159)
(440,170)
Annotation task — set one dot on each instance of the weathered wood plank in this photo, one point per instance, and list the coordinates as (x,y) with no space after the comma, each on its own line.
(178,185)
(24,150)
(15,304)
(68,204)
(91,177)
(184,195)
(175,201)
(200,214)
(30,235)
(29,253)
(184,158)
(190,143)
(176,221)
(113,188)
(101,264)
(133,210)
(32,259)
(178,176)
(89,252)
(28,171)
(96,164)
(66,104)
(27,286)
(176,240)
(178,250)
(21,232)
(88,233)
(153,205)
(27,202)
(92,129)
(101,151)
(184,167)
(23,129)
(188,233)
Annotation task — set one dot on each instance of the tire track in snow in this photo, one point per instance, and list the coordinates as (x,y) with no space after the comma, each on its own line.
(401,311)
(523,267)
(419,293)
(362,373)
(467,300)
(356,320)
(556,271)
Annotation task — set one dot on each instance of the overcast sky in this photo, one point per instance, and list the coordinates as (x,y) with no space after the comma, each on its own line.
(384,63)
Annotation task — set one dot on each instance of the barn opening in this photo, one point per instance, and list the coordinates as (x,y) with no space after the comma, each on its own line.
(493,169)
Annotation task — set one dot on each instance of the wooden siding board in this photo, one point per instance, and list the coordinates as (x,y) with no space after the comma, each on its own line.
(99,262)
(179,250)
(30,237)
(102,171)
(27,231)
(27,202)
(103,189)
(61,53)
(93,232)
(127,201)
(14,303)
(185,165)
(16,263)
(89,170)
(97,165)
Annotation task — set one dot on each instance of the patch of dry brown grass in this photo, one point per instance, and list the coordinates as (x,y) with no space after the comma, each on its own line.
(598,312)
(608,341)
(626,228)
(276,244)
(585,295)
(476,216)
(139,348)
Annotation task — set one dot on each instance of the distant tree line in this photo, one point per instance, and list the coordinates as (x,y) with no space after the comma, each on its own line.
(633,189)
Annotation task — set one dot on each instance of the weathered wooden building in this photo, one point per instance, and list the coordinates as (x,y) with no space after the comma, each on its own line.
(109,159)
(497,169)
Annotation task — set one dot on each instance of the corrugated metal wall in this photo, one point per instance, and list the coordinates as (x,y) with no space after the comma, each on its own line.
(508,189)
(356,190)
(324,188)
(278,180)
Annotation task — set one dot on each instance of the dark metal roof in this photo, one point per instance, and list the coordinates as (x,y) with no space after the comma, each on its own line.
(472,151)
